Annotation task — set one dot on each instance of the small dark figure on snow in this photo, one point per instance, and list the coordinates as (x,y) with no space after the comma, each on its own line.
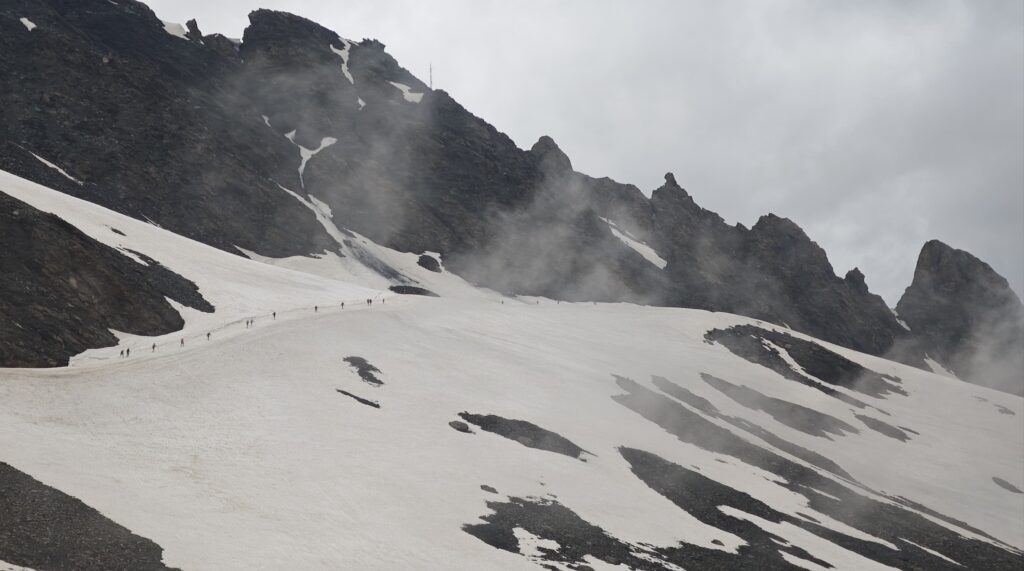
(122,352)
(182,341)
(316,309)
(127,352)
(207,335)
(275,316)
(343,305)
(154,348)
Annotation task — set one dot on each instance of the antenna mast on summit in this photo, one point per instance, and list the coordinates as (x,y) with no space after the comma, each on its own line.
(431,75)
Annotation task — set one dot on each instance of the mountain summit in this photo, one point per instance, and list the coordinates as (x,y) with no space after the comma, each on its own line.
(967,317)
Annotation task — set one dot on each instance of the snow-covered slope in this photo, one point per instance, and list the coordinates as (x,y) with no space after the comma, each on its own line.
(242,452)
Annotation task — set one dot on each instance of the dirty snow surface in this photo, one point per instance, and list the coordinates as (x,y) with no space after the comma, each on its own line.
(267,448)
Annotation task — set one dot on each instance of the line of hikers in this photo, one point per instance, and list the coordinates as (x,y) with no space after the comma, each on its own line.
(249,323)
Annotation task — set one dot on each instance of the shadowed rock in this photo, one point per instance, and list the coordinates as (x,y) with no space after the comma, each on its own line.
(1006,485)
(793,415)
(365,370)
(525,433)
(61,292)
(429,263)
(44,528)
(412,290)
(967,317)
(361,400)
(748,341)
(883,428)
(849,503)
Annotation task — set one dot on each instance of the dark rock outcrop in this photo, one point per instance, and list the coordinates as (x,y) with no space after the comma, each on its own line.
(429,263)
(412,290)
(153,126)
(61,292)
(526,433)
(966,317)
(44,528)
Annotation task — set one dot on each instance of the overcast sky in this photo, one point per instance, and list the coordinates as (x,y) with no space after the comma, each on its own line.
(874,125)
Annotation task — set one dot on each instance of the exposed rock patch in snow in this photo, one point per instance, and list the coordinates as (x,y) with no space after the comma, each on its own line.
(360,400)
(525,433)
(412,290)
(28,24)
(407,92)
(883,427)
(801,418)
(366,371)
(1006,485)
(56,168)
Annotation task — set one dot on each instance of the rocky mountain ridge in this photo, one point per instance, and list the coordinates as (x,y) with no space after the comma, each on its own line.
(214,140)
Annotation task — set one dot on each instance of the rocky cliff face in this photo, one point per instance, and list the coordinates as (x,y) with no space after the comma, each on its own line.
(61,292)
(967,317)
(214,138)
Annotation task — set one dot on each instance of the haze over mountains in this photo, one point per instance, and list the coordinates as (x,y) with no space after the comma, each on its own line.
(201,134)
(161,187)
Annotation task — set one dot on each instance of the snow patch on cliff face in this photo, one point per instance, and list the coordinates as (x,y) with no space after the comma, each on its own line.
(407,92)
(56,168)
(344,53)
(307,154)
(29,25)
(176,30)
(649,253)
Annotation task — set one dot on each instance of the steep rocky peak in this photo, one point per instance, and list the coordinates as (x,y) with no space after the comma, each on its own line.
(778,226)
(855,279)
(671,191)
(966,316)
(272,24)
(788,241)
(945,270)
(553,159)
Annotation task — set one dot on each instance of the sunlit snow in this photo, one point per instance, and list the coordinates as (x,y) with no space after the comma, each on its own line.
(28,24)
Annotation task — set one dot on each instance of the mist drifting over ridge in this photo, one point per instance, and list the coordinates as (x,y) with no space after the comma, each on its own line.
(915,136)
